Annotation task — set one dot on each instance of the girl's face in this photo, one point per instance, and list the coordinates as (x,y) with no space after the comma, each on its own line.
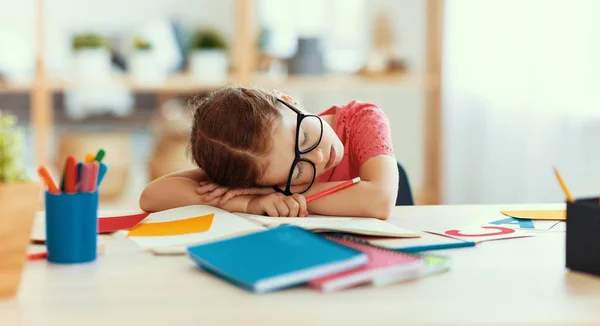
(327,154)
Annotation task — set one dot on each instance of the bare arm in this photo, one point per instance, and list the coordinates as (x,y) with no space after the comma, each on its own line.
(179,189)
(374,196)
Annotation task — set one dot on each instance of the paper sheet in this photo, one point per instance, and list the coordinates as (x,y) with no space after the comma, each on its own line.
(525,224)
(480,233)
(355,225)
(557,215)
(180,227)
(224,225)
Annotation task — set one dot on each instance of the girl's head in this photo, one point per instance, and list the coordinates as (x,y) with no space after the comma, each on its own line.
(247,137)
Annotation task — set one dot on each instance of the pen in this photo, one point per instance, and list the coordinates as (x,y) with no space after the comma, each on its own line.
(333,189)
(443,246)
(563,185)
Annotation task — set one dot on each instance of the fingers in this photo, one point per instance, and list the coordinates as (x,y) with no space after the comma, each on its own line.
(271,210)
(206,187)
(282,207)
(302,206)
(293,206)
(216,193)
(230,194)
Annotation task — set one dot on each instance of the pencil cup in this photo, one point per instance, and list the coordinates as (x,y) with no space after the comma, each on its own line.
(583,236)
(72,227)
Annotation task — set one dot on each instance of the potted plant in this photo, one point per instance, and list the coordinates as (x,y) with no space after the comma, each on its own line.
(208,57)
(92,56)
(19,201)
(144,66)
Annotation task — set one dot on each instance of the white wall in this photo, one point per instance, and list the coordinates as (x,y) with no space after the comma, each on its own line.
(63,17)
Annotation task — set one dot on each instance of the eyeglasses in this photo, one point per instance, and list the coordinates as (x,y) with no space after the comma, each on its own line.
(310,125)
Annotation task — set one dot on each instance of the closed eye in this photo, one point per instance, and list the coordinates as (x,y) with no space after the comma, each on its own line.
(300,172)
(305,140)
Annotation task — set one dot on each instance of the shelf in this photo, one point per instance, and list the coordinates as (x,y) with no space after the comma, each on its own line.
(187,84)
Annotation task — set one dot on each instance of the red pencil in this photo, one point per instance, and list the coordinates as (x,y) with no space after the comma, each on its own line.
(71,175)
(333,189)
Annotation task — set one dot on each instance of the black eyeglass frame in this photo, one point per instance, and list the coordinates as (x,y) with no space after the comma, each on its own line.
(298,158)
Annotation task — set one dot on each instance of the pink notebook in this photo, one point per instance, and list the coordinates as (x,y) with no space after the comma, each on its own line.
(382,263)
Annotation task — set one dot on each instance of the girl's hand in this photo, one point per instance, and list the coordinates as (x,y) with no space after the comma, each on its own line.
(278,205)
(213,191)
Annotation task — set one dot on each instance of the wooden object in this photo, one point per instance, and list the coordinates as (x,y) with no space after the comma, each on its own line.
(482,282)
(41,97)
(245,40)
(19,205)
(433,113)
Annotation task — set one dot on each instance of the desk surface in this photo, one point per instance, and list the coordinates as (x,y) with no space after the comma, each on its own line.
(517,281)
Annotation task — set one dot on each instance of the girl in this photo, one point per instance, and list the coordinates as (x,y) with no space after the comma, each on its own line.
(260,153)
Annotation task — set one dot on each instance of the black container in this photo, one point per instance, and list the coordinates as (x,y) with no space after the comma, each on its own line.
(583,236)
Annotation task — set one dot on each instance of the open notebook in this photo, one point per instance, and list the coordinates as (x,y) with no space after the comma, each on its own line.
(170,232)
(354,225)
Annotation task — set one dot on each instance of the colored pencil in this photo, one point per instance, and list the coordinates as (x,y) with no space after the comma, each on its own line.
(47,179)
(333,189)
(563,185)
(70,175)
(93,176)
(100,155)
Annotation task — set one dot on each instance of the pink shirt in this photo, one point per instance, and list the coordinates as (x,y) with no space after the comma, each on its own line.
(364,130)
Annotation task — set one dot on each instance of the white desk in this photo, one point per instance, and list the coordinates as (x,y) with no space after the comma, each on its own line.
(517,281)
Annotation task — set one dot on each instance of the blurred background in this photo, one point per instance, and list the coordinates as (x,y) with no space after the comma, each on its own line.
(483,96)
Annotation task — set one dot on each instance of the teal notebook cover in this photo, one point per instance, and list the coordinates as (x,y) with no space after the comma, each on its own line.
(276,258)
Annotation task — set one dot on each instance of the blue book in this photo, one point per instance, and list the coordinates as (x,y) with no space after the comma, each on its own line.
(276,258)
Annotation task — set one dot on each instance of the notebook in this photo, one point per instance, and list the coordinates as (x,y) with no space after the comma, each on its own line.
(355,225)
(183,226)
(382,264)
(434,264)
(274,259)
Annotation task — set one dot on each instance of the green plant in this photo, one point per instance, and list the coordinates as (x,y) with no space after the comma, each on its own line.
(90,41)
(209,39)
(141,44)
(11,150)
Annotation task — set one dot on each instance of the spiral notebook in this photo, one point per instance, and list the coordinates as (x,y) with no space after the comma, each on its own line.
(383,263)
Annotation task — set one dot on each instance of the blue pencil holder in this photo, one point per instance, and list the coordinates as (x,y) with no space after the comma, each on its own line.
(72,227)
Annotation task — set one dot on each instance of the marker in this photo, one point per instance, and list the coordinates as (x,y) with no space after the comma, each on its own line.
(333,189)
(101,173)
(70,179)
(563,185)
(100,155)
(47,179)
(442,246)
(84,181)
(89,157)
(93,176)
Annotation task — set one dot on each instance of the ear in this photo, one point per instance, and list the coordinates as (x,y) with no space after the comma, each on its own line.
(284,97)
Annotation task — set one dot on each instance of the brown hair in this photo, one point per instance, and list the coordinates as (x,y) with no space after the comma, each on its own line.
(231,128)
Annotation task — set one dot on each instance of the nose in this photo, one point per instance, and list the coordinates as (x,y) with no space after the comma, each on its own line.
(315,156)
